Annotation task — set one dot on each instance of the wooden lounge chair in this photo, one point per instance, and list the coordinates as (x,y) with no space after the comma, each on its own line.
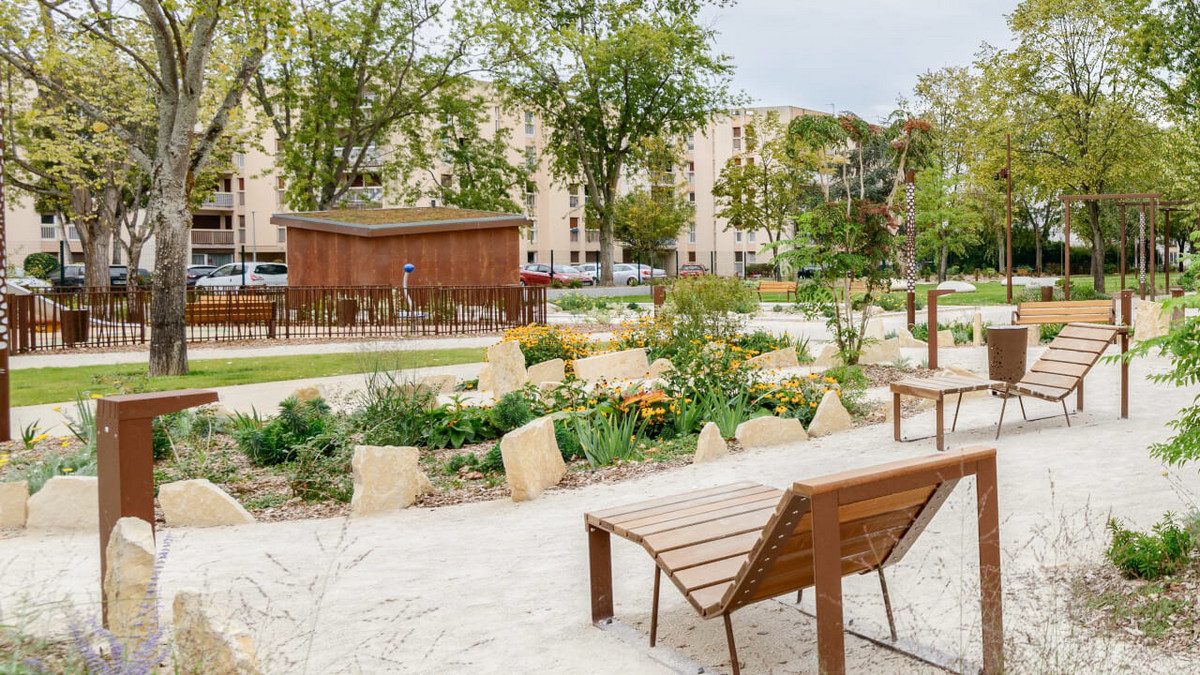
(728,547)
(1062,367)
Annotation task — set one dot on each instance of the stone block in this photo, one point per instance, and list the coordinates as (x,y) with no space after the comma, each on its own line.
(1150,320)
(945,338)
(14,507)
(887,351)
(307,393)
(66,503)
(875,329)
(210,642)
(385,478)
(127,580)
(828,357)
(907,340)
(440,384)
(630,364)
(780,358)
(660,367)
(424,485)
(199,503)
(507,367)
(1033,335)
(485,378)
(977,329)
(710,446)
(763,432)
(554,370)
(532,461)
(831,416)
(956,286)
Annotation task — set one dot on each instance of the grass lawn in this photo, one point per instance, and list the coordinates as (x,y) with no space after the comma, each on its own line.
(50,385)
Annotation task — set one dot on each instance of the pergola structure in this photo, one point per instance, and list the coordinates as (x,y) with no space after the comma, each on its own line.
(1141,200)
(1156,206)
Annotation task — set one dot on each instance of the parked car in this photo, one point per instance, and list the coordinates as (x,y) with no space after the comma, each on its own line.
(692,270)
(73,276)
(118,275)
(256,274)
(197,272)
(31,283)
(590,269)
(627,275)
(647,271)
(538,274)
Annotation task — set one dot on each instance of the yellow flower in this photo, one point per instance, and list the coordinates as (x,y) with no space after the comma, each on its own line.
(67,469)
(813,404)
(96,396)
(57,408)
(66,443)
(40,437)
(779,410)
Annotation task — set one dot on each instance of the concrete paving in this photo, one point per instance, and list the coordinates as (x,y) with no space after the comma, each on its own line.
(499,587)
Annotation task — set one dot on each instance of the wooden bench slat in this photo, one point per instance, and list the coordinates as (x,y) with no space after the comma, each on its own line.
(1075,370)
(1087,333)
(1051,319)
(1066,356)
(681,509)
(1074,344)
(1050,380)
(698,554)
(706,599)
(748,504)
(708,574)
(673,499)
(707,531)
(1041,391)
(1065,303)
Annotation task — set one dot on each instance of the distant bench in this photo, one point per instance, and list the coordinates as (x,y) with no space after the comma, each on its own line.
(1067,311)
(788,288)
(221,310)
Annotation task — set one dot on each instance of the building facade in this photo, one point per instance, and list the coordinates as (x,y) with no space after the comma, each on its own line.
(236,218)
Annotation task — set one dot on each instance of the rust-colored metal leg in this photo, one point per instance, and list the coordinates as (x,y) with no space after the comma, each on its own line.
(941,422)
(827,568)
(733,659)
(799,596)
(1021,401)
(600,573)
(887,604)
(1124,377)
(957,405)
(654,607)
(1079,396)
(988,514)
(1003,405)
(896,417)
(1064,405)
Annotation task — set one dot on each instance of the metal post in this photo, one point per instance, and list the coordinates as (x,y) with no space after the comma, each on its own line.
(1141,252)
(1152,246)
(1123,247)
(910,245)
(1167,250)
(1008,263)
(1067,251)
(931,337)
(551,265)
(676,263)
(243,265)
(254,235)
(5,338)
(712,262)
(62,263)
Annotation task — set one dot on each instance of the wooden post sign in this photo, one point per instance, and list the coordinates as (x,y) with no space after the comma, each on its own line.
(125,456)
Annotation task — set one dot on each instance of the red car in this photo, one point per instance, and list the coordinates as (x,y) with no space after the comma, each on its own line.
(538,274)
(692,270)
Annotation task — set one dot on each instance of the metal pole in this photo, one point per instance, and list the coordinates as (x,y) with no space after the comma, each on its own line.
(1008,263)
(254,235)
(62,263)
(910,245)
(1167,250)
(1067,252)
(5,429)
(676,263)
(1123,247)
(551,265)
(1152,248)
(1141,252)
(243,266)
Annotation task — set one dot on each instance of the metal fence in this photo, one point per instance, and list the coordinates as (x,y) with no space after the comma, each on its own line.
(113,317)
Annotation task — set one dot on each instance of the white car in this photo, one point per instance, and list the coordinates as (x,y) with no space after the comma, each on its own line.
(624,274)
(256,274)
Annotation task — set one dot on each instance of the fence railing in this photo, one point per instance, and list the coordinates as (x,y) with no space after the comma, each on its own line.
(115,317)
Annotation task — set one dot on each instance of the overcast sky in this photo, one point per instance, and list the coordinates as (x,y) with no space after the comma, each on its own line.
(807,53)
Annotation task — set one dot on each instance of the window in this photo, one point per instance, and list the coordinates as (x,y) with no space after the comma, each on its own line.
(72,234)
(691,256)
(49,227)
(692,197)
(574,222)
(446,180)
(691,142)
(271,268)
(737,144)
(239,160)
(49,219)
(751,258)
(530,256)
(241,183)
(737,161)
(574,236)
(750,161)
(737,132)
(433,203)
(530,157)
(737,237)
(281,235)
(529,125)
(242,222)
(574,257)
(692,235)
(691,178)
(530,197)
(496,114)
(532,234)
(753,236)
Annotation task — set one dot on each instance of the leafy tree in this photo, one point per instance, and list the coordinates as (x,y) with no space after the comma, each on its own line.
(1165,39)
(603,77)
(944,224)
(648,220)
(478,173)
(819,141)
(40,265)
(193,59)
(348,78)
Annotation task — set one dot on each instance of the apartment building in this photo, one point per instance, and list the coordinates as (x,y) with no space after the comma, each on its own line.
(236,217)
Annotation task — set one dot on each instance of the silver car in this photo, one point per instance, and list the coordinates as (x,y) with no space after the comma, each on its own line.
(255,274)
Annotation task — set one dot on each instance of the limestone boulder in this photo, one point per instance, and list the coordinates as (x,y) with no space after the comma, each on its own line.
(554,370)
(828,357)
(385,478)
(1150,320)
(65,503)
(875,329)
(977,329)
(945,338)
(780,358)
(765,432)
(199,503)
(907,340)
(440,384)
(14,504)
(1033,335)
(661,367)
(831,416)
(307,393)
(424,485)
(630,364)
(507,367)
(485,378)
(532,461)
(887,351)
(128,578)
(552,308)
(207,641)
(710,446)
(956,286)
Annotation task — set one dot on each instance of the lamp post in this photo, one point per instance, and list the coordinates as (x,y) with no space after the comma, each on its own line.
(1006,174)
(5,431)
(253,236)
(910,245)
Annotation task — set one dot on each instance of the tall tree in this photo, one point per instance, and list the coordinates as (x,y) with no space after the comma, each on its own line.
(468,168)
(350,89)
(1165,36)
(603,77)
(945,224)
(168,45)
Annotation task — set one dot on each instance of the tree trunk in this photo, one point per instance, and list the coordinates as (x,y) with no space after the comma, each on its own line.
(1037,248)
(96,256)
(943,262)
(1097,247)
(168,331)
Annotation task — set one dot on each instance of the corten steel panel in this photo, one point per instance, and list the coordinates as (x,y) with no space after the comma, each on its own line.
(462,258)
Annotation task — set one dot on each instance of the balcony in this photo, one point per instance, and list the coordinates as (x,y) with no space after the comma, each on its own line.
(593,236)
(371,156)
(218,200)
(212,237)
(49,233)
(361,197)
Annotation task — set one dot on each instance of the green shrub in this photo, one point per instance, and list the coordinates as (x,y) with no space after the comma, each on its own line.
(1160,552)
(852,385)
(609,435)
(698,306)
(40,265)
(456,424)
(511,411)
(492,462)
(1049,331)
(277,441)
(568,441)
(391,413)
(543,343)
(761,342)
(321,468)
(182,426)
(727,412)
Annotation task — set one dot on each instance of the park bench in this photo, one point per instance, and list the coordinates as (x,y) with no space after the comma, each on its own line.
(229,311)
(1062,367)
(788,288)
(936,389)
(728,547)
(1064,311)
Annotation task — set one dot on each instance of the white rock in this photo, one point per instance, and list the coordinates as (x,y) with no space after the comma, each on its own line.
(14,498)
(977,329)
(945,338)
(507,367)
(199,503)
(831,416)
(307,393)
(554,370)
(485,378)
(532,461)
(710,446)
(908,341)
(763,432)
(424,485)
(385,478)
(440,384)
(210,642)
(127,580)
(661,367)
(630,364)
(828,357)
(65,503)
(875,329)
(780,358)
(887,351)
(898,285)
(552,308)
(1033,335)
(1150,320)
(956,286)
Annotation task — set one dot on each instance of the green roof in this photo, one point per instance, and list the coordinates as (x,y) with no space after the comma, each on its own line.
(402,216)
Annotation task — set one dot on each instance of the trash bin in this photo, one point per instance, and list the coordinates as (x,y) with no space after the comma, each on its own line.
(347,312)
(74,326)
(1007,347)
(660,295)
